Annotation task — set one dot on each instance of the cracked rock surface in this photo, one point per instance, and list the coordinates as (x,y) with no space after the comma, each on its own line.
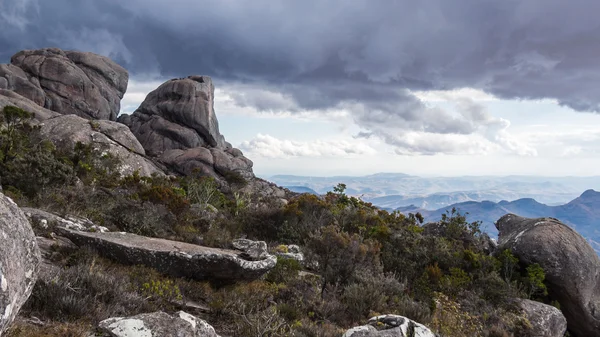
(19,261)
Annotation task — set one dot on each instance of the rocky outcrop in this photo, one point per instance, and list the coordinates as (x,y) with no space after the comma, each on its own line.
(572,267)
(173,258)
(68,82)
(546,320)
(19,261)
(180,324)
(177,124)
(104,136)
(179,114)
(66,130)
(11,98)
(390,326)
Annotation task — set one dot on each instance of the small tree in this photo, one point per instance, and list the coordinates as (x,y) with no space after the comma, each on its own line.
(509,264)
(12,140)
(534,280)
(202,191)
(457,227)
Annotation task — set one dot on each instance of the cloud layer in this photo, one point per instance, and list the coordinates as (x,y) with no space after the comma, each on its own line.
(366,57)
(271,147)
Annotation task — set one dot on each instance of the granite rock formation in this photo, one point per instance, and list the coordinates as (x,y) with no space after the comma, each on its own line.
(572,267)
(68,82)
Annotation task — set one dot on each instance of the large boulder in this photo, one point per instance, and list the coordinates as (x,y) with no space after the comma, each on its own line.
(105,136)
(390,326)
(546,320)
(179,114)
(572,267)
(177,124)
(180,324)
(68,82)
(19,261)
(174,258)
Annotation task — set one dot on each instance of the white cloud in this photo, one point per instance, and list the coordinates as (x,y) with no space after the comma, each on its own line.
(136,93)
(570,151)
(267,146)
(453,95)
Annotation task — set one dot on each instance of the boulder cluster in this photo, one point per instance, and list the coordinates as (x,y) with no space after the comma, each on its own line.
(76,98)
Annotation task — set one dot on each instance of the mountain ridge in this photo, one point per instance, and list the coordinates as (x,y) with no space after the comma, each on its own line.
(582,213)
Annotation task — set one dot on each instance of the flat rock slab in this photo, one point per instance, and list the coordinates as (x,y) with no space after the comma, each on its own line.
(173,258)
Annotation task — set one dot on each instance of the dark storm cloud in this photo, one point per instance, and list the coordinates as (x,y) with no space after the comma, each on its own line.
(314,54)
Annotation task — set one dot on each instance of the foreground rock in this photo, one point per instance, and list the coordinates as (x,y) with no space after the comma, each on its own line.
(546,320)
(172,257)
(572,267)
(390,326)
(104,136)
(68,82)
(19,261)
(156,324)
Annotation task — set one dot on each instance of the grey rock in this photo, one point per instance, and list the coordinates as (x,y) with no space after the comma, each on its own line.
(254,250)
(68,82)
(177,124)
(105,136)
(203,161)
(11,98)
(390,326)
(180,324)
(70,222)
(572,267)
(546,320)
(19,261)
(293,252)
(179,114)
(174,258)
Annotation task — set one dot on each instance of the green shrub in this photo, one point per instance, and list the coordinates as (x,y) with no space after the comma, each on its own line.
(162,289)
(285,270)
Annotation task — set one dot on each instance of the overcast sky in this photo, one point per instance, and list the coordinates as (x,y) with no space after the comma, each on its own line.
(437,87)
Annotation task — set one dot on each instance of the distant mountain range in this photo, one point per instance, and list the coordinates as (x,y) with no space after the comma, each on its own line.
(393,190)
(301,189)
(582,213)
(484,198)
